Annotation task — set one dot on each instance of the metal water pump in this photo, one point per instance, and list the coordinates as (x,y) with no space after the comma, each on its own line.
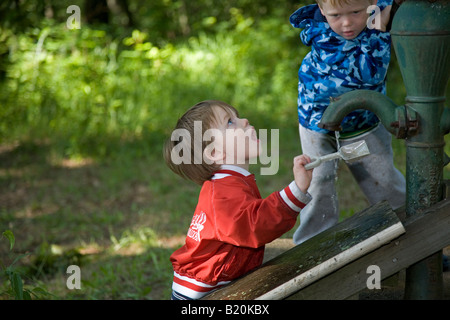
(421,40)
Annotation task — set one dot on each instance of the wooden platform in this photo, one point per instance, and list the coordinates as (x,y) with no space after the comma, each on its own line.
(319,256)
(337,275)
(428,232)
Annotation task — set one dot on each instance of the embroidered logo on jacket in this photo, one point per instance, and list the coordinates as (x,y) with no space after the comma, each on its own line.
(197,226)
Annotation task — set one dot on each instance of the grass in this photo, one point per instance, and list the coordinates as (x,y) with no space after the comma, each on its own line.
(104,213)
(82,180)
(119,219)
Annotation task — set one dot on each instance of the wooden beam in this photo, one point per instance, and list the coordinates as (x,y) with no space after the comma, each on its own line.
(317,257)
(426,233)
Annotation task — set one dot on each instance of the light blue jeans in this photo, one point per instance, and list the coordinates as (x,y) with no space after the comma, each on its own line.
(375,174)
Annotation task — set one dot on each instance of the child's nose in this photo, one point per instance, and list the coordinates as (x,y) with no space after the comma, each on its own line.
(346,22)
(245,122)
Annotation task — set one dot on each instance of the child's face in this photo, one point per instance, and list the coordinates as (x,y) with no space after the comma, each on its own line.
(239,141)
(347,20)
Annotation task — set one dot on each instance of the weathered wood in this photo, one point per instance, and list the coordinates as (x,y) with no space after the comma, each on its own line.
(447,189)
(426,233)
(317,257)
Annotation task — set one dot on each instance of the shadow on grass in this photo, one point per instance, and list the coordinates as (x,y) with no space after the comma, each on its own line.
(78,210)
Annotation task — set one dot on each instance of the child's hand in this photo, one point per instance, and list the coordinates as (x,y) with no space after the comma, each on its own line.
(301,175)
(385,15)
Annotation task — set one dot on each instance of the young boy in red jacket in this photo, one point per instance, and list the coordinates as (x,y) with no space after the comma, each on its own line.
(231,223)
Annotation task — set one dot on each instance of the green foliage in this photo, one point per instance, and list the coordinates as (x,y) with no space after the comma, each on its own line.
(93,90)
(87,90)
(10,236)
(107,95)
(16,289)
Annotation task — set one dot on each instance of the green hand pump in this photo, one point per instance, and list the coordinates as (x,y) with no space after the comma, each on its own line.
(421,40)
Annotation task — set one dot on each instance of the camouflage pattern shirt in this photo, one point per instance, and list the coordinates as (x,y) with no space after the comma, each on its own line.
(336,65)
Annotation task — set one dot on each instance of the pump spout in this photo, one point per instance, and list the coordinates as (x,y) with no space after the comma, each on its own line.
(392,116)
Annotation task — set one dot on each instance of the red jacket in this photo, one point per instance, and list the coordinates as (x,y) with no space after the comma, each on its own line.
(230,227)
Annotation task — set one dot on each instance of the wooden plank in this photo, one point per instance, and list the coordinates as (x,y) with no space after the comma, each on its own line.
(447,189)
(317,257)
(426,233)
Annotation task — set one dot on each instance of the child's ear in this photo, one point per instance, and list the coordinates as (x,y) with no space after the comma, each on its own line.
(212,154)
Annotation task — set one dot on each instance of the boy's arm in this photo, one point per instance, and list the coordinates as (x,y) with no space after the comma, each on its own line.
(302,176)
(385,15)
(249,221)
(395,5)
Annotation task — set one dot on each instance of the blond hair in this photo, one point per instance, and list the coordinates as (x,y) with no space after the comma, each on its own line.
(198,171)
(334,3)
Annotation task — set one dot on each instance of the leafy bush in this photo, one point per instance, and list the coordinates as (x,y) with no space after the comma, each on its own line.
(16,288)
(85,89)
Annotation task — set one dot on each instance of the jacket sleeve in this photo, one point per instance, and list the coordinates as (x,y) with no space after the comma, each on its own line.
(373,56)
(374,53)
(242,218)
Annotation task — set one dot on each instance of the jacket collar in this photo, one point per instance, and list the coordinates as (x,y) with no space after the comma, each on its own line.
(230,170)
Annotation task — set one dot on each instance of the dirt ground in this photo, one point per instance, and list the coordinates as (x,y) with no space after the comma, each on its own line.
(392,288)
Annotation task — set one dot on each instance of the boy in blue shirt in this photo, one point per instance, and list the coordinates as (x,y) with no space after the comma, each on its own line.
(345,55)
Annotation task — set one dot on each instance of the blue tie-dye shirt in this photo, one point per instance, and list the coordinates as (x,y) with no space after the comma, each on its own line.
(336,65)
